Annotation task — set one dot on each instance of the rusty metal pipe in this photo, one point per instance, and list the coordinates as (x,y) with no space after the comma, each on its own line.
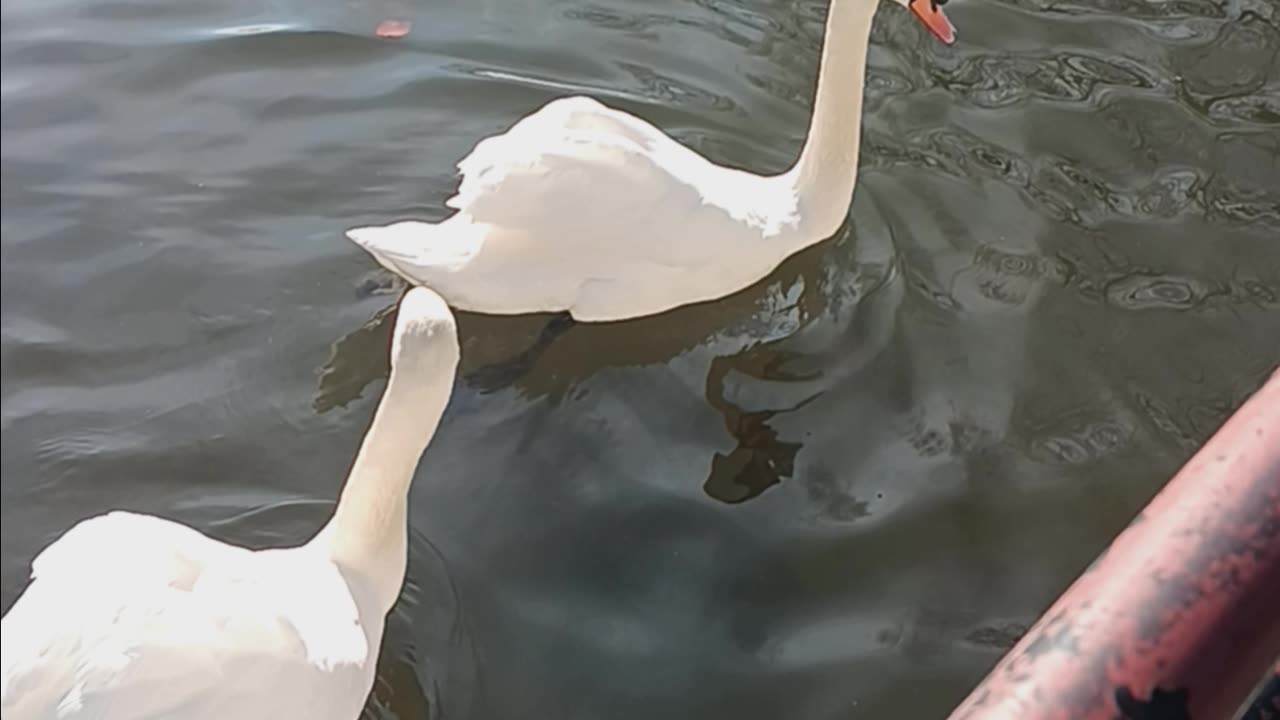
(1180,617)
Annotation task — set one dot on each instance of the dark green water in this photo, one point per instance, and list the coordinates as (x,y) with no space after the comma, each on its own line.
(839,494)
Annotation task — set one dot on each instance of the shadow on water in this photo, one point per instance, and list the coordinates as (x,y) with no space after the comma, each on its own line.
(746,332)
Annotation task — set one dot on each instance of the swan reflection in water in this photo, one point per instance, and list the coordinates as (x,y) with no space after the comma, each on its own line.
(762,354)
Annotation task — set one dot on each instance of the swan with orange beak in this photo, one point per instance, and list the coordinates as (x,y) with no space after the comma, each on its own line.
(930,13)
(584,209)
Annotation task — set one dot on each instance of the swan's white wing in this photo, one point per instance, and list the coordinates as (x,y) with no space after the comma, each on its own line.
(139,546)
(578,174)
(572,117)
(130,616)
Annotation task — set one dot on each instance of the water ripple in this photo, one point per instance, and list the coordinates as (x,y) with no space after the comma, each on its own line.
(761,497)
(1128,9)
(1072,192)
(1139,292)
(996,81)
(1080,438)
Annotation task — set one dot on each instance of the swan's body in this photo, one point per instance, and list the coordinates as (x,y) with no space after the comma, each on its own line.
(133,616)
(583,208)
(587,209)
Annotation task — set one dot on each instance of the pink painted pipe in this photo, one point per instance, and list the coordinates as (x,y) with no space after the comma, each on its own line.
(1180,617)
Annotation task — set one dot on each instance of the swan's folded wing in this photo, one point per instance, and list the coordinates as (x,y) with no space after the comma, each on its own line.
(571,182)
(121,543)
(165,637)
(562,116)
(573,174)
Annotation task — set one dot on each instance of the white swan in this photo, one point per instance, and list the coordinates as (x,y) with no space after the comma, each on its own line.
(133,616)
(586,209)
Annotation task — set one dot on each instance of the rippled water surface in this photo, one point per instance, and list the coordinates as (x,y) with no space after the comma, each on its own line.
(841,493)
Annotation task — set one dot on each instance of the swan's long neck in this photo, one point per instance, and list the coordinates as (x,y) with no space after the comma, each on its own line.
(368,534)
(824,177)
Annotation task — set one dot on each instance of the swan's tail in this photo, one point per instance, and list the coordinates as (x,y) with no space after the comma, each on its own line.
(414,249)
(397,241)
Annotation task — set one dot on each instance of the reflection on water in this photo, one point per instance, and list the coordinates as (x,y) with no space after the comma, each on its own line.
(861,477)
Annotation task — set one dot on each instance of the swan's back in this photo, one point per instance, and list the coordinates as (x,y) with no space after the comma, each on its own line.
(573,168)
(131,616)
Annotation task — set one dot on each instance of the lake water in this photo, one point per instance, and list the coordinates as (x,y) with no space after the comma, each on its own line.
(841,493)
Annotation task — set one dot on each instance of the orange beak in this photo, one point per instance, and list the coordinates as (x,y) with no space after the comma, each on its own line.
(930,13)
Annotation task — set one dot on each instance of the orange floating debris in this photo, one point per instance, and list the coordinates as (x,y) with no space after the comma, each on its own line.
(392,29)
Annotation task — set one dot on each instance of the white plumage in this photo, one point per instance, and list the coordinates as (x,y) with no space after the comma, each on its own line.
(134,616)
(577,207)
(582,208)
(560,213)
